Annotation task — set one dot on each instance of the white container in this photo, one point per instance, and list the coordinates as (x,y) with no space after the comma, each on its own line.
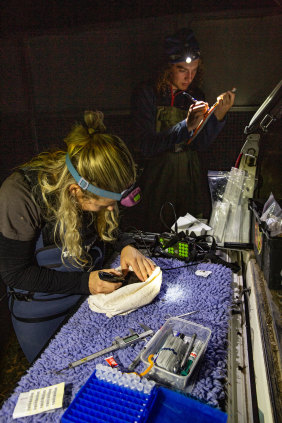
(175,325)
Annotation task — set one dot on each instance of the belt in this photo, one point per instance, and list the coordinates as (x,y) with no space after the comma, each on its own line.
(19,296)
(28,297)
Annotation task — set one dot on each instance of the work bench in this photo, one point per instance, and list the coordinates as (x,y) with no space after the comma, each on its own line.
(224,376)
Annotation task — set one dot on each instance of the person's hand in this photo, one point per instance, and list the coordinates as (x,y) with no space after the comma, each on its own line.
(142,266)
(225,102)
(98,286)
(196,114)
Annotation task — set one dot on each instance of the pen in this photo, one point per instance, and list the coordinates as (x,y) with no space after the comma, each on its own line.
(194,100)
(191,98)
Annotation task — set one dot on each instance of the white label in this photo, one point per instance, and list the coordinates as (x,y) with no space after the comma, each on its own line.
(203,273)
(39,400)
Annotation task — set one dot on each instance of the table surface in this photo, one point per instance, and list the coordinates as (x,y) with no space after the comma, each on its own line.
(87,332)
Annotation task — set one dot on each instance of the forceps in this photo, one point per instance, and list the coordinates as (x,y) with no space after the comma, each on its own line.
(168,316)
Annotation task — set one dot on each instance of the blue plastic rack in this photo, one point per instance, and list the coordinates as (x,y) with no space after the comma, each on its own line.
(99,401)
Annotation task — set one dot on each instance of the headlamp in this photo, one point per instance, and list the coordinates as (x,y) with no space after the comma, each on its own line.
(190,54)
(186,56)
(128,198)
(182,47)
(131,196)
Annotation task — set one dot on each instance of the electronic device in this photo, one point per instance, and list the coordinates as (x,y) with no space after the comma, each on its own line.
(188,248)
(169,244)
(173,247)
(117,344)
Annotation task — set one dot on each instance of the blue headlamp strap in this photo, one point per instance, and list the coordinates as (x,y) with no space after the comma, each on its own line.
(85,185)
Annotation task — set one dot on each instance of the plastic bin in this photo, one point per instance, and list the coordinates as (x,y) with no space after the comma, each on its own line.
(267,249)
(174,407)
(174,325)
(100,401)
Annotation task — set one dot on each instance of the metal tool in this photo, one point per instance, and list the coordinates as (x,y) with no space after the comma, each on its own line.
(117,344)
(136,361)
(168,316)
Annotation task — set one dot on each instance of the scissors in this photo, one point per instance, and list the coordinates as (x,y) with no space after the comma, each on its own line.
(168,316)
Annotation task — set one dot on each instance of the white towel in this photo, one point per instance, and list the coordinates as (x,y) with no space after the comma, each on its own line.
(127,298)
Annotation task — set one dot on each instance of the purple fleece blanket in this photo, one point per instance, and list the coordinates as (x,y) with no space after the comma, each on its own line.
(87,332)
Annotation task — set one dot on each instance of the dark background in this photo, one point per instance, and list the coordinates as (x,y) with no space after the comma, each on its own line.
(27,15)
(59,58)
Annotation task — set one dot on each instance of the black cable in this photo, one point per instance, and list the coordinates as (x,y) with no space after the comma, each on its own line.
(175,218)
(140,233)
(146,247)
(186,265)
(199,249)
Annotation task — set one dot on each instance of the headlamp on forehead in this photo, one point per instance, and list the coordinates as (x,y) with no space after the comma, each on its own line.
(191,55)
(182,47)
(187,55)
(128,198)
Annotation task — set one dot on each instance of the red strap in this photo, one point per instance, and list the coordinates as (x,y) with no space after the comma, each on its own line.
(173,96)
(237,164)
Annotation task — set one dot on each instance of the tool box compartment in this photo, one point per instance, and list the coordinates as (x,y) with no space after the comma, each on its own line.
(267,249)
(174,326)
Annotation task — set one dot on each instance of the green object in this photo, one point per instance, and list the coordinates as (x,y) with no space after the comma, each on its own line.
(192,357)
(179,250)
(186,371)
(168,116)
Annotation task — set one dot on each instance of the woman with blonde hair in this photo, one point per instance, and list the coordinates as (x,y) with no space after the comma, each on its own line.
(58,214)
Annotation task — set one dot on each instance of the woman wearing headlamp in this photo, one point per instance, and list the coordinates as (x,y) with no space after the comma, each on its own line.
(165,115)
(58,214)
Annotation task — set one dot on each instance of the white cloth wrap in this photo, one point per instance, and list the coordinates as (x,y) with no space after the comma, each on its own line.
(127,298)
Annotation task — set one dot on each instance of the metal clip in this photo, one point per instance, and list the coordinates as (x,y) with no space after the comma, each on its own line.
(83,183)
(266,121)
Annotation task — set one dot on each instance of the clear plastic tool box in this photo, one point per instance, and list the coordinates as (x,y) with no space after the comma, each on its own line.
(175,326)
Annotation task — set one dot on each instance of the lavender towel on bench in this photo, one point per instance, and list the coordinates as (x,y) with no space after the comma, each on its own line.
(87,332)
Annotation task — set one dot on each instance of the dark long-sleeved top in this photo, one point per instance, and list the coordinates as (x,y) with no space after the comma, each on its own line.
(21,222)
(147,141)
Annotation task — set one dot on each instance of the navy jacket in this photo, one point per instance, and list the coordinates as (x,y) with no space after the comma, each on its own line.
(147,141)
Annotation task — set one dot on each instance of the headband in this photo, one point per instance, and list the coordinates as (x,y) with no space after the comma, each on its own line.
(85,185)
